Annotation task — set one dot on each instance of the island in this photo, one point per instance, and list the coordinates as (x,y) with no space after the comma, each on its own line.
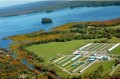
(46,20)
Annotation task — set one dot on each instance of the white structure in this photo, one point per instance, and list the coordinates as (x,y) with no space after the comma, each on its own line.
(76,52)
(87,66)
(85,46)
(59,59)
(64,59)
(103,57)
(113,47)
(91,58)
(86,53)
(99,57)
(75,57)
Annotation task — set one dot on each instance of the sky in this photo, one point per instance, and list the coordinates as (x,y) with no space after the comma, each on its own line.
(5,3)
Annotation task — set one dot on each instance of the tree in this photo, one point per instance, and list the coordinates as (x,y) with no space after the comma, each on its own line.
(40,59)
(46,20)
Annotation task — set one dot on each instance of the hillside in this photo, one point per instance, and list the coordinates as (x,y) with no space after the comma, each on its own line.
(49,6)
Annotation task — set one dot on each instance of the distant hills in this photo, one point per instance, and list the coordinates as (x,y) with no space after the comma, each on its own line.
(49,6)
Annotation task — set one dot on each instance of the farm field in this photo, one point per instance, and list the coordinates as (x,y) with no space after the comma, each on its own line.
(54,48)
(116,51)
(60,54)
(106,64)
(81,61)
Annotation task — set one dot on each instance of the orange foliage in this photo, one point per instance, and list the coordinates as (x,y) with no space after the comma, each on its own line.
(112,22)
(15,62)
(63,27)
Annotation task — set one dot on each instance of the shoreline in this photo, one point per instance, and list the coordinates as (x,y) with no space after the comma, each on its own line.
(67,4)
(61,27)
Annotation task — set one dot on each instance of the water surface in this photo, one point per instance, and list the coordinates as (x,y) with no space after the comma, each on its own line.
(32,22)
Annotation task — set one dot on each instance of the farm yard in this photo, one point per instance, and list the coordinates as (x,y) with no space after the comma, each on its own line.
(72,57)
(83,58)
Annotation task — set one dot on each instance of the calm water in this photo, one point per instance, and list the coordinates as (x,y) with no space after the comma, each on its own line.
(32,22)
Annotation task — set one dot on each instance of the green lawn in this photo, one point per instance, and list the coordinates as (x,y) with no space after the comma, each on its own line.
(116,51)
(106,64)
(114,40)
(51,50)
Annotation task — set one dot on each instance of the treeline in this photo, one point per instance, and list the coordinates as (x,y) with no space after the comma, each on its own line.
(50,6)
(45,33)
(112,22)
(95,32)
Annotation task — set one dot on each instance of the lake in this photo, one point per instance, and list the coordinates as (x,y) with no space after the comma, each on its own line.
(32,22)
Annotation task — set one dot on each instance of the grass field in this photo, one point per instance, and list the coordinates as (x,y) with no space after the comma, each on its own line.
(114,40)
(51,50)
(116,51)
(106,64)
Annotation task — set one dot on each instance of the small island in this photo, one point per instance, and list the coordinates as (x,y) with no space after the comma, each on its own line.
(46,20)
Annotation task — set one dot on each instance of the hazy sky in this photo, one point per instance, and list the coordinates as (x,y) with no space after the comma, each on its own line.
(4,3)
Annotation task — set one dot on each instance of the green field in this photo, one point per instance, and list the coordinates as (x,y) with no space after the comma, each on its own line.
(52,49)
(114,40)
(116,51)
(106,64)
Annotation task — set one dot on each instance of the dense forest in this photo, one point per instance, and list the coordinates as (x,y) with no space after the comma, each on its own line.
(71,31)
(11,67)
(49,6)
